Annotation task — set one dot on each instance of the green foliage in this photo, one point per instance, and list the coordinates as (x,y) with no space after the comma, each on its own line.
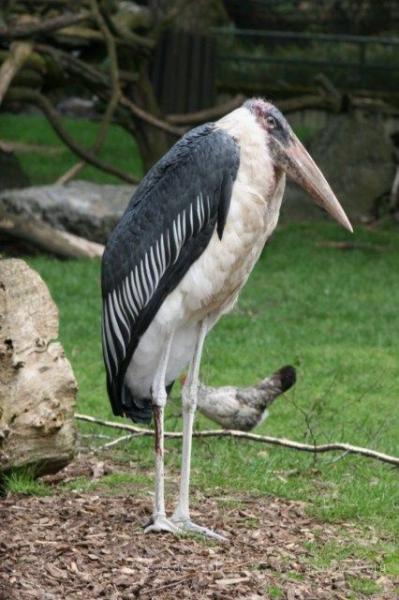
(119,149)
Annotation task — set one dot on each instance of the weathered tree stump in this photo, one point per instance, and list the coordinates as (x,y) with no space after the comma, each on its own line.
(37,385)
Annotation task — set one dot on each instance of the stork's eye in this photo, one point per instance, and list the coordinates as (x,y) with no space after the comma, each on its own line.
(271,122)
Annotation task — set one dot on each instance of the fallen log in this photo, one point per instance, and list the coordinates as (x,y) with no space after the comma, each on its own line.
(37,385)
(85,209)
(48,238)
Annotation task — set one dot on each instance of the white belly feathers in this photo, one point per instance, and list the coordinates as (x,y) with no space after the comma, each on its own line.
(213,282)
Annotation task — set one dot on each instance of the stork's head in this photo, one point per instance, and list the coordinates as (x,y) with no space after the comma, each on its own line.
(291,157)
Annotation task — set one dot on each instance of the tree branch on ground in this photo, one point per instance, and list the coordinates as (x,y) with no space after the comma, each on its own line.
(254,437)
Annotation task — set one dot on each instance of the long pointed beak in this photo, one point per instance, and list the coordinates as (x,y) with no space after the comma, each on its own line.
(297,163)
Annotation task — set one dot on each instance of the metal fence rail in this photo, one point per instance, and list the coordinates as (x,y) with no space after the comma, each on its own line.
(295,58)
(367,17)
(319,37)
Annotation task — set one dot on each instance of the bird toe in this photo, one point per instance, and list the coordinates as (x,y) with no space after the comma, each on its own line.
(161,523)
(188,527)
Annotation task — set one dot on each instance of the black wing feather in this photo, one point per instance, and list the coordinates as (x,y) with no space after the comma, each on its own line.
(224,202)
(166,227)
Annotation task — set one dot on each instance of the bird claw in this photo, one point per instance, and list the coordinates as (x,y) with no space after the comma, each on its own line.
(161,523)
(187,526)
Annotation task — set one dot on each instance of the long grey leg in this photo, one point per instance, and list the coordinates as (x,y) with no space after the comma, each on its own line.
(181,516)
(159,397)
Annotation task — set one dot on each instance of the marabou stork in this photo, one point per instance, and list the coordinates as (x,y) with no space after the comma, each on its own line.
(179,257)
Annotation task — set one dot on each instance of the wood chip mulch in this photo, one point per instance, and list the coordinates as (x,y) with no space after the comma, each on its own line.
(88,546)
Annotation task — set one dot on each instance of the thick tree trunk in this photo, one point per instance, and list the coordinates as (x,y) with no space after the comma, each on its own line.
(37,385)
(152,142)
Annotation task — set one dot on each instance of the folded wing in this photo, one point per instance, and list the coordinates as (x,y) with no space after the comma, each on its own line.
(166,227)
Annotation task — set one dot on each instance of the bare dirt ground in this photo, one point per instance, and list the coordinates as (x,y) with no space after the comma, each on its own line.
(73,546)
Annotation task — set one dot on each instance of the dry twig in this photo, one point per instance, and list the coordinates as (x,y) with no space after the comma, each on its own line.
(116,441)
(264,439)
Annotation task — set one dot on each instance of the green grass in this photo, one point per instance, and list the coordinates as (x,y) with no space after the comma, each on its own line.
(120,149)
(113,482)
(274,592)
(363,586)
(332,314)
(23,482)
(322,555)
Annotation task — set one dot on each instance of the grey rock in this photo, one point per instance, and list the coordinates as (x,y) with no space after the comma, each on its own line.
(83,208)
(356,157)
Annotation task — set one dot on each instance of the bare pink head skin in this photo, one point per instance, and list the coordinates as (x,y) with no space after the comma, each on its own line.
(290,156)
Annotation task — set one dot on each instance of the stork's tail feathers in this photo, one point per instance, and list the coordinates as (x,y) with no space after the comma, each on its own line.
(136,408)
(139,410)
(125,404)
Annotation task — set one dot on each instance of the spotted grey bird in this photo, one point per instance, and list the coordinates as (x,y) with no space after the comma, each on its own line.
(179,257)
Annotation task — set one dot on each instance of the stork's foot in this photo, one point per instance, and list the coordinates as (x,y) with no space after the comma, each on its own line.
(187,526)
(160,523)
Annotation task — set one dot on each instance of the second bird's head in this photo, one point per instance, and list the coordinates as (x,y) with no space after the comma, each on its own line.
(290,156)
